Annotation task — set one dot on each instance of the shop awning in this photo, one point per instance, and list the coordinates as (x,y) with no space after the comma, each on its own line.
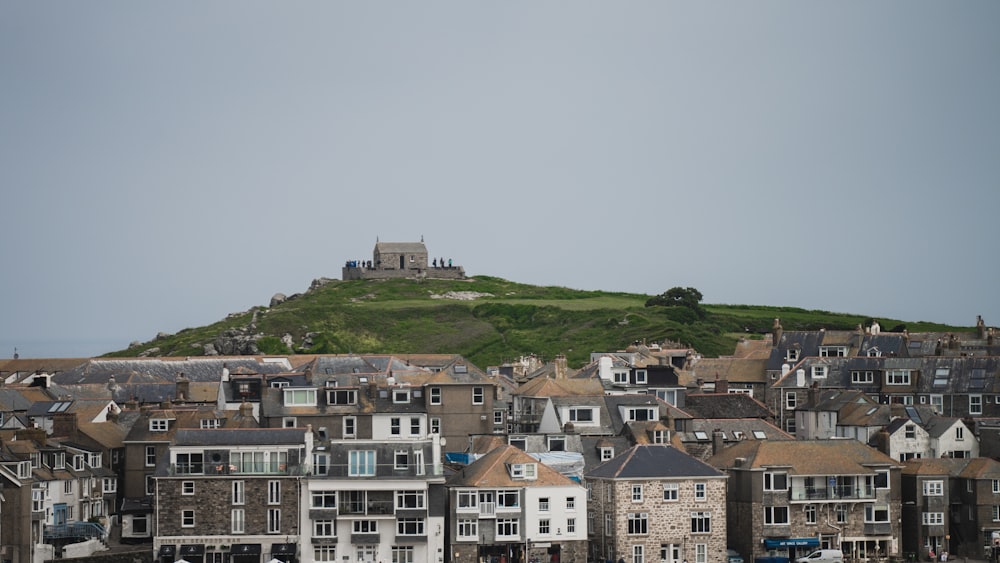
(791,542)
(192,549)
(283,548)
(245,549)
(167,550)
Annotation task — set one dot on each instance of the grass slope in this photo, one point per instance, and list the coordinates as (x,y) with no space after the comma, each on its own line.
(404,316)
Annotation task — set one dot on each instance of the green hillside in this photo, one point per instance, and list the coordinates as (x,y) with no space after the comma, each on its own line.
(407,316)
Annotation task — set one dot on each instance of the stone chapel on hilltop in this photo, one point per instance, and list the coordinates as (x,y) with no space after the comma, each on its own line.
(401,260)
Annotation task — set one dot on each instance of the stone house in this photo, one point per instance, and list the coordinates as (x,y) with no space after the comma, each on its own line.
(951,505)
(507,506)
(347,396)
(786,498)
(147,448)
(656,502)
(400,260)
(231,495)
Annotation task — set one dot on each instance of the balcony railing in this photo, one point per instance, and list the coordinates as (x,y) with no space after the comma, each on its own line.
(370,507)
(268,468)
(74,530)
(839,492)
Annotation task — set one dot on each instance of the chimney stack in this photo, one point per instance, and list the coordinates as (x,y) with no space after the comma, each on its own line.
(560,366)
(718,441)
(64,425)
(183,388)
(721,385)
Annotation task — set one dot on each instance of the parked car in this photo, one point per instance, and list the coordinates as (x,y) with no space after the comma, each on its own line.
(733,557)
(823,556)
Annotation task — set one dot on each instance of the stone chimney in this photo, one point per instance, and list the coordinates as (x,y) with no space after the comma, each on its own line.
(560,366)
(813,394)
(718,441)
(721,385)
(776,331)
(246,409)
(980,327)
(64,425)
(183,392)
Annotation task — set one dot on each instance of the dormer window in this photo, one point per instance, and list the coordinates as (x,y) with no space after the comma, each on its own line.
(401,396)
(659,436)
(158,424)
(557,443)
(95,460)
(24,470)
(832,351)
(342,397)
(607,453)
(819,372)
(524,471)
(581,414)
(640,376)
(300,397)
(640,413)
(78,462)
(620,377)
(792,355)
(58,460)
(279,384)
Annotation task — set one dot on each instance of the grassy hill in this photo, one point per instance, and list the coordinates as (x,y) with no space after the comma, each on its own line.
(504,321)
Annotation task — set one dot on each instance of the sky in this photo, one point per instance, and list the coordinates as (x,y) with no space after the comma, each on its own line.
(165,164)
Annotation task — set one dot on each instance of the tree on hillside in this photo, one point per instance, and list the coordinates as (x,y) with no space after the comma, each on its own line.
(688,297)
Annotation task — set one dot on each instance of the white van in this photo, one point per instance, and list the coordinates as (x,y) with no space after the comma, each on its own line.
(823,556)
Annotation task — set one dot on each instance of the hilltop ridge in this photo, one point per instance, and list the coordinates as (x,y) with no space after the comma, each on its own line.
(486,319)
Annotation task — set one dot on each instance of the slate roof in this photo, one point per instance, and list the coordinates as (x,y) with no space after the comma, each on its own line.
(725,405)
(163,370)
(645,461)
(613,402)
(491,471)
(13,400)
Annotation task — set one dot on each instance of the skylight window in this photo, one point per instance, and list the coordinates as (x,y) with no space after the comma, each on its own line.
(759,434)
(700,435)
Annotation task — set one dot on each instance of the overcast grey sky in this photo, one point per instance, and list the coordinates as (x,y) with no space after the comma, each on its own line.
(165,164)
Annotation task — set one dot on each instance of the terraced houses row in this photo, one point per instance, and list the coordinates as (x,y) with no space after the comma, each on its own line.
(865,441)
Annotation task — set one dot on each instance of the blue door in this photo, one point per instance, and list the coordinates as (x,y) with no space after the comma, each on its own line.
(59,514)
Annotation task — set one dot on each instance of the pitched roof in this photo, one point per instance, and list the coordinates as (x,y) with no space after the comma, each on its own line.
(491,471)
(804,457)
(652,461)
(546,387)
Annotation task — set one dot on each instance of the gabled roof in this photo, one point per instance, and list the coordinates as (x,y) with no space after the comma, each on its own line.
(645,461)
(492,470)
(400,247)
